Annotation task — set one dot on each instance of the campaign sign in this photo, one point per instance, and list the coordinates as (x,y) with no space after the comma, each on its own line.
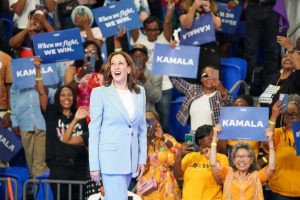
(10,144)
(58,46)
(24,73)
(296,132)
(201,32)
(247,123)
(113,16)
(181,61)
(229,17)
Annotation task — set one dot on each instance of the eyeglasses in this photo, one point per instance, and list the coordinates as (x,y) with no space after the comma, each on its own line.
(204,75)
(92,51)
(152,30)
(242,156)
(290,115)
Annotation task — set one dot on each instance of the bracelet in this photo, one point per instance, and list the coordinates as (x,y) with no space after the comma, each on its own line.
(264,159)
(213,144)
(272,122)
(38,78)
(8,111)
(171,6)
(236,2)
(118,49)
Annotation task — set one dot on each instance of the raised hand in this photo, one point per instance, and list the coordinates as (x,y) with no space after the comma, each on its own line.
(82,112)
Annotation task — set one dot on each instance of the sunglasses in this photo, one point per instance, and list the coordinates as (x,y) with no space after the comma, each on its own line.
(204,75)
(90,51)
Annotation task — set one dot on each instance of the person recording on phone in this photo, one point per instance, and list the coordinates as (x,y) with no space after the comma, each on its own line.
(193,10)
(194,168)
(162,150)
(84,75)
(202,102)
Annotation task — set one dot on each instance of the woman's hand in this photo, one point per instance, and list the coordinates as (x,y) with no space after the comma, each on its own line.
(37,61)
(141,170)
(269,134)
(96,176)
(277,108)
(121,33)
(184,148)
(205,5)
(216,131)
(82,112)
(285,42)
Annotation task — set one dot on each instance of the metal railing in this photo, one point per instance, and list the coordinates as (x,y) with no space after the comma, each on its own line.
(43,184)
(6,181)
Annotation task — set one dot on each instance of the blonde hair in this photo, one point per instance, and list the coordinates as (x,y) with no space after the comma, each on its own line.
(186,4)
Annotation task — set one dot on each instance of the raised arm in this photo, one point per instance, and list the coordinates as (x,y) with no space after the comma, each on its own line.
(67,138)
(272,161)
(43,96)
(167,27)
(186,20)
(180,84)
(19,6)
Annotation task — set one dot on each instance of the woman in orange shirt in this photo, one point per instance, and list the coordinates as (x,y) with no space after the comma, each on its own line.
(242,180)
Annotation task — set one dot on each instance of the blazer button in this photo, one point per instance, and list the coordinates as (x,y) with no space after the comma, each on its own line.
(129,126)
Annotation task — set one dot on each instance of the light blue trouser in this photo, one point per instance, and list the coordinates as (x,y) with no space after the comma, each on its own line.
(116,186)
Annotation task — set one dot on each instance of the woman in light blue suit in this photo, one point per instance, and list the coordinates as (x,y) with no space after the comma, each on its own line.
(117,140)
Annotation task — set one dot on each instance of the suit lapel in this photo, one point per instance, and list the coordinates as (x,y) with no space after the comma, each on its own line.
(117,102)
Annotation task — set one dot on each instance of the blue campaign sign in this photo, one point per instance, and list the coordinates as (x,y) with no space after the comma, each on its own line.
(113,16)
(24,73)
(201,32)
(247,123)
(229,17)
(58,46)
(296,132)
(10,144)
(181,61)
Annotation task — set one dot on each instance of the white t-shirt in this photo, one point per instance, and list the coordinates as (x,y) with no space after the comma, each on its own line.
(142,39)
(21,21)
(200,111)
(127,99)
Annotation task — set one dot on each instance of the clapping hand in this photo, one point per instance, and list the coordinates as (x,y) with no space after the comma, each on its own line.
(82,112)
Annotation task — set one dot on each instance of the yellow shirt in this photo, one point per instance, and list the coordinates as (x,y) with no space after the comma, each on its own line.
(286,179)
(198,180)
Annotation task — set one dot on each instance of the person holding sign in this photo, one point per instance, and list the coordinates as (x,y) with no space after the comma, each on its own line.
(286,180)
(243,177)
(202,103)
(198,179)
(117,142)
(66,162)
(193,12)
(83,18)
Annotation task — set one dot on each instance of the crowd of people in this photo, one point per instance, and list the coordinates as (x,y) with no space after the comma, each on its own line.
(107,118)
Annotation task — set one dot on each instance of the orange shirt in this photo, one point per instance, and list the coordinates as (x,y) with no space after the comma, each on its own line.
(237,188)
(5,78)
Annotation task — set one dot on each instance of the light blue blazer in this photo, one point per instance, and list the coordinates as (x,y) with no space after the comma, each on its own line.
(116,144)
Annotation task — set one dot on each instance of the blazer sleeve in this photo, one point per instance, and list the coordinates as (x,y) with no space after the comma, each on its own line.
(142,134)
(96,114)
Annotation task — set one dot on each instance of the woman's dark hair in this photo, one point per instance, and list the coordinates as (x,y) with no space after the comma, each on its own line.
(131,83)
(151,19)
(99,62)
(202,132)
(247,98)
(246,146)
(57,104)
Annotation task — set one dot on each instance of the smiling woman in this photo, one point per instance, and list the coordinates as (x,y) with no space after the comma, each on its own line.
(117,142)
(243,178)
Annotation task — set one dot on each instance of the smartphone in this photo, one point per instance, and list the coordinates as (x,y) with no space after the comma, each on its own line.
(215,74)
(91,62)
(285,100)
(190,137)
